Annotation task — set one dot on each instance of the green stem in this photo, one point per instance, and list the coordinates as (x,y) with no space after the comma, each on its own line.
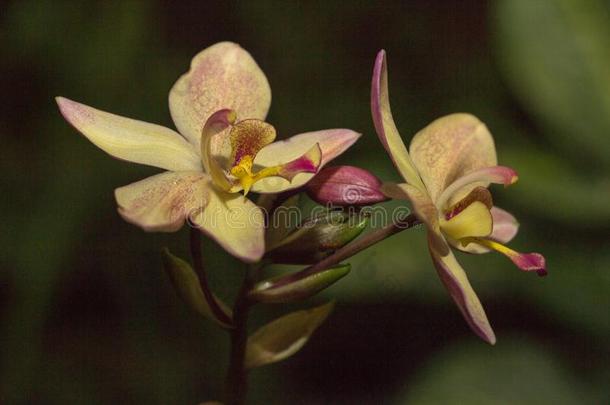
(197,256)
(236,382)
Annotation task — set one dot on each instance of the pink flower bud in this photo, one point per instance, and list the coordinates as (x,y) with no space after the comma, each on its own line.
(345,185)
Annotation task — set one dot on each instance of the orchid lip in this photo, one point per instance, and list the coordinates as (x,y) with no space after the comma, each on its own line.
(524,261)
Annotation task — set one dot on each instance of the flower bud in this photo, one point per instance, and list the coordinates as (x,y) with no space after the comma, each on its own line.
(291,287)
(344,186)
(318,237)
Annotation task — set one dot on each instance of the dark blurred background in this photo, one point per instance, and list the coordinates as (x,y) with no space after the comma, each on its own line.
(88,315)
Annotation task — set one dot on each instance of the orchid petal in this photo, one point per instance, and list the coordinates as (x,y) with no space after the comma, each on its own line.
(308,163)
(129,139)
(423,208)
(505,227)
(385,126)
(482,177)
(248,137)
(162,202)
(449,148)
(215,125)
(221,76)
(524,261)
(478,193)
(455,280)
(332,142)
(474,220)
(235,222)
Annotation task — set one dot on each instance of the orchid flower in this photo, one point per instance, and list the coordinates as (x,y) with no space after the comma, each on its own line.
(447,169)
(224,146)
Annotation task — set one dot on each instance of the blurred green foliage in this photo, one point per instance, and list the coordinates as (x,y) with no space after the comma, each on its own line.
(88,315)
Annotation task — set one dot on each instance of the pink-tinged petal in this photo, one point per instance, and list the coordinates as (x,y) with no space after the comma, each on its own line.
(530,262)
(161,203)
(482,177)
(506,225)
(333,142)
(235,222)
(449,148)
(308,163)
(455,280)
(423,208)
(223,76)
(524,261)
(218,122)
(129,139)
(345,185)
(385,126)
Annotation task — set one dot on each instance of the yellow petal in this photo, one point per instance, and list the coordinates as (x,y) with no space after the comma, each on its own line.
(235,222)
(455,280)
(384,123)
(474,220)
(223,76)
(129,139)
(505,227)
(161,203)
(450,147)
(332,142)
(423,208)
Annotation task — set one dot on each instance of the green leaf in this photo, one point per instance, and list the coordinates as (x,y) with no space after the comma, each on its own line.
(284,336)
(187,285)
(555,55)
(291,287)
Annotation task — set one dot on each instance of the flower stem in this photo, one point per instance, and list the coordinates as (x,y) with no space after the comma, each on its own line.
(236,382)
(197,256)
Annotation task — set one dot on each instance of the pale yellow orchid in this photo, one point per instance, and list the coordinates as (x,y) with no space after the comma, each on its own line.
(447,170)
(224,147)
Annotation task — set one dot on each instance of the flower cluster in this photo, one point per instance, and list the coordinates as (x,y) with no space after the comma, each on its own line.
(224,151)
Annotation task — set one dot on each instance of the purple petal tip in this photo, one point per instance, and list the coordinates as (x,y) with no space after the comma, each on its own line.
(531,262)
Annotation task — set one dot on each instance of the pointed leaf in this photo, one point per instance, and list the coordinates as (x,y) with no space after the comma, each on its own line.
(284,336)
(187,285)
(288,288)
